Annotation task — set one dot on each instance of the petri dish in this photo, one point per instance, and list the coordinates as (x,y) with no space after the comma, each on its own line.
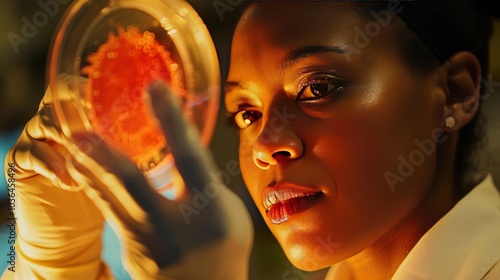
(103,57)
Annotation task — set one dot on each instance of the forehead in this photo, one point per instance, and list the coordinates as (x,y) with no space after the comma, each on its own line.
(268,31)
(294,22)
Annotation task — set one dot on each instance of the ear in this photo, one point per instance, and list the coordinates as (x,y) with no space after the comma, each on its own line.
(462,83)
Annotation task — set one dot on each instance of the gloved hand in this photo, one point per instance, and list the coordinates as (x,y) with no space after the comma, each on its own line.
(58,228)
(158,242)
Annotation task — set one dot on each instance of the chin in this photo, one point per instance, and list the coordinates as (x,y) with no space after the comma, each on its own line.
(311,245)
(307,247)
(310,259)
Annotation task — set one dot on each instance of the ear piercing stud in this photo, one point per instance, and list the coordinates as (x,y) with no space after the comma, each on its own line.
(450,122)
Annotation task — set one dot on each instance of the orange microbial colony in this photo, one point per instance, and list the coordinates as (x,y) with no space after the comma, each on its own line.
(119,74)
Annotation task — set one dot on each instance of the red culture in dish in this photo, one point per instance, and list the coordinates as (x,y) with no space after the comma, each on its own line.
(119,74)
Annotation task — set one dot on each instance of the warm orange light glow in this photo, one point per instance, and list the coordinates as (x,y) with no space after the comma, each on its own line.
(119,74)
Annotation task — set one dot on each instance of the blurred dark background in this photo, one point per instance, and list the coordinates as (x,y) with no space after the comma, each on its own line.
(23,82)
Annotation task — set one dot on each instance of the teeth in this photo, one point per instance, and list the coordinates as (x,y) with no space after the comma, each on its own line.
(272,200)
(280,196)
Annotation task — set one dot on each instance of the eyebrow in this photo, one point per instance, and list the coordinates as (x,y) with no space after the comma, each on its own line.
(230,85)
(305,52)
(291,58)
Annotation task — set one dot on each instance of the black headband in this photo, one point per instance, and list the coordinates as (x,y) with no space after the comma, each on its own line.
(449,26)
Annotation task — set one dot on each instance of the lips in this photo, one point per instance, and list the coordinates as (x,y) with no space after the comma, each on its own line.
(281,201)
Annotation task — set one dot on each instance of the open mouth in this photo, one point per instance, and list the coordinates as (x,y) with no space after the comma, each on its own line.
(281,204)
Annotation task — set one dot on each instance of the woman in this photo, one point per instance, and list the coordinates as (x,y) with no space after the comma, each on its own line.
(353,120)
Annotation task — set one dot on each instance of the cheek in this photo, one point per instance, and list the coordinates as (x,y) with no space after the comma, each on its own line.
(383,159)
(379,133)
(381,175)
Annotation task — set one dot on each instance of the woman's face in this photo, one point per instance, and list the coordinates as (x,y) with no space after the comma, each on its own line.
(328,117)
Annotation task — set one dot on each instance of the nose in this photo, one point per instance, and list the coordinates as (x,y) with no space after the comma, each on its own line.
(276,145)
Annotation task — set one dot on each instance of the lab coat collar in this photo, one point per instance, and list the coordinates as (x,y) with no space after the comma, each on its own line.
(464,244)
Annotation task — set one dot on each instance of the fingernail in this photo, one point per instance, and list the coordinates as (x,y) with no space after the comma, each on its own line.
(154,86)
(163,98)
(158,89)
(158,94)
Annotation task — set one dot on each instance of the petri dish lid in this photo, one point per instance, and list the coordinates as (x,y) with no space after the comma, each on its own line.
(104,53)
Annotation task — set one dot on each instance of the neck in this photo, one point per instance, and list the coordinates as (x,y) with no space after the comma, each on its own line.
(382,258)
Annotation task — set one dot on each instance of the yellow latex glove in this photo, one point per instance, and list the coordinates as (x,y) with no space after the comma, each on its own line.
(58,228)
(158,242)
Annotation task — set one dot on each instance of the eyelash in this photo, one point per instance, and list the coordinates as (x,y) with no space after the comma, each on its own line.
(335,84)
(242,122)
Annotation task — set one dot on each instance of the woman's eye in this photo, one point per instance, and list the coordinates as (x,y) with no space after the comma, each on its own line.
(317,90)
(245,118)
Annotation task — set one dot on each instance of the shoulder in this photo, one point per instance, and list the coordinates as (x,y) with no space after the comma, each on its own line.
(464,244)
